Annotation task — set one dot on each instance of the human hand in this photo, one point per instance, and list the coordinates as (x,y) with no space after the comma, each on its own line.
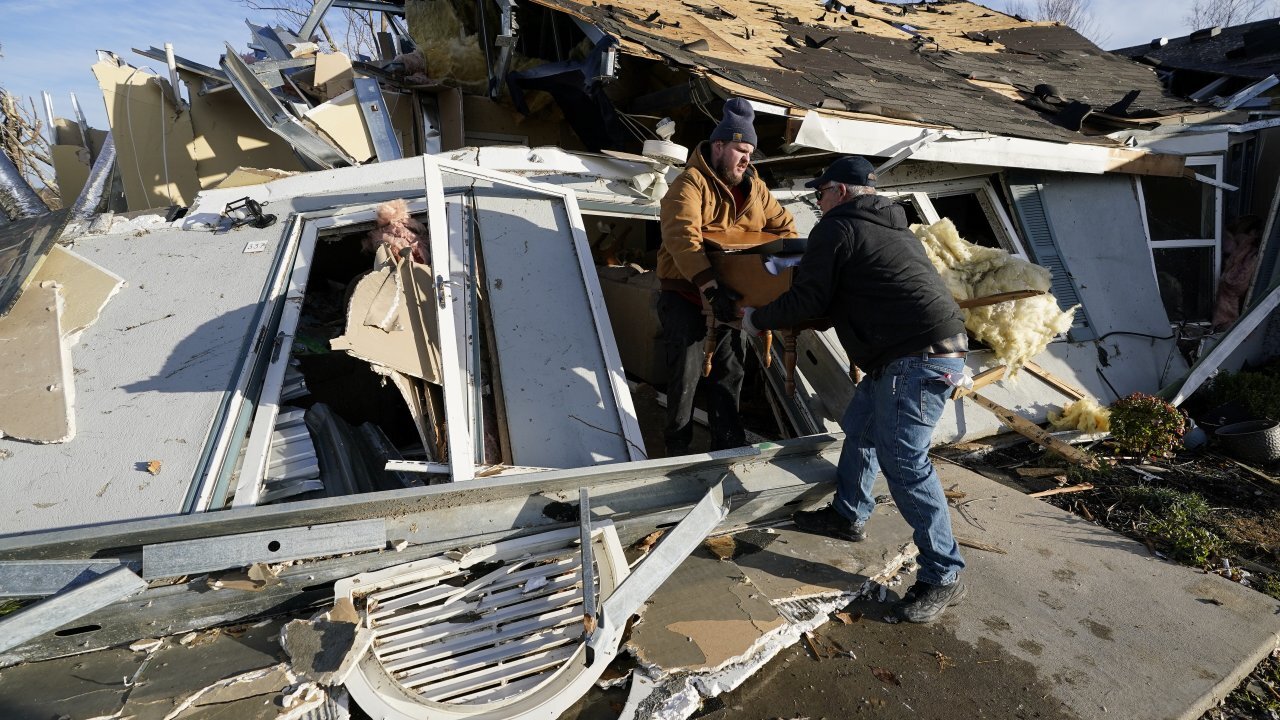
(723,301)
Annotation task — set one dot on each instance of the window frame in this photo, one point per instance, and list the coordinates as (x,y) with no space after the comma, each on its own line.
(1215,242)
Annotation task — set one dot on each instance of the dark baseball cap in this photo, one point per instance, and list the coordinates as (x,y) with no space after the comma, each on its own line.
(849,170)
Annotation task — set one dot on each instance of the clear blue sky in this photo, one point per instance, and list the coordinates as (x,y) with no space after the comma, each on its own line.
(49,45)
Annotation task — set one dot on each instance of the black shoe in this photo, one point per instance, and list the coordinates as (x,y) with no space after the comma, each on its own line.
(828,521)
(925,602)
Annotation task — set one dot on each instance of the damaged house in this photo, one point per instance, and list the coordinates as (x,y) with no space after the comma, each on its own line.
(386,320)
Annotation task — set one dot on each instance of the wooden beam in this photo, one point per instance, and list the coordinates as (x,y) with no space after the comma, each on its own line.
(981,380)
(1054,381)
(997,298)
(1033,432)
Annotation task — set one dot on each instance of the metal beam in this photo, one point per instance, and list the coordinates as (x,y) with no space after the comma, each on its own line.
(763,485)
(318,9)
(588,571)
(378,119)
(313,150)
(660,563)
(191,557)
(57,611)
(48,577)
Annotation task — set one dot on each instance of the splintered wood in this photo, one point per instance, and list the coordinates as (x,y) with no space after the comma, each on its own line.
(1034,432)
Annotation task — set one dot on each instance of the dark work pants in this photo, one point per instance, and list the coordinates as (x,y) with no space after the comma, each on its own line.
(684,329)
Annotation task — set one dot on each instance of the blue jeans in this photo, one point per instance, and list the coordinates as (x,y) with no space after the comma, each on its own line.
(888,427)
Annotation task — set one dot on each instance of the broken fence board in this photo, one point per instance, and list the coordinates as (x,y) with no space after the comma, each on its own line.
(189,557)
(57,611)
(22,579)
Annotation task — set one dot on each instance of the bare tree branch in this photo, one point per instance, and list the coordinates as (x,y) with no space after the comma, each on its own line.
(1223,13)
(1075,14)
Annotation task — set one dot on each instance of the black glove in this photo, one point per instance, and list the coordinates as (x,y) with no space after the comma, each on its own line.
(722,299)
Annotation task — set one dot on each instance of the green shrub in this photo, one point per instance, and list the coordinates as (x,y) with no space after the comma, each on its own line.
(1146,426)
(1180,520)
(1258,391)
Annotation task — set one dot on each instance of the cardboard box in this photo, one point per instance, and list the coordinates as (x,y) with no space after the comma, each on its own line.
(631,296)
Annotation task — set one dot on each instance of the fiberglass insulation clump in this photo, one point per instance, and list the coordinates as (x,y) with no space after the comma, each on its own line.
(1085,415)
(1016,330)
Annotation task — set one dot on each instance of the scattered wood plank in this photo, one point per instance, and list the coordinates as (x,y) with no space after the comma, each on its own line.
(1054,381)
(970,543)
(1062,490)
(997,298)
(1033,432)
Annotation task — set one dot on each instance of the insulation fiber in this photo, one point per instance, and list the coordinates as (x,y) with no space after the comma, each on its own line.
(1015,330)
(1085,415)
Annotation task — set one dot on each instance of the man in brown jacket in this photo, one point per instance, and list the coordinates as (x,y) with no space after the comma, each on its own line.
(718,193)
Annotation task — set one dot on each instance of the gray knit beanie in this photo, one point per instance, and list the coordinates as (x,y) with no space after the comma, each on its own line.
(736,125)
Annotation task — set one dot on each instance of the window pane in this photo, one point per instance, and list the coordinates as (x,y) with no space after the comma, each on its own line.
(970,219)
(1186,282)
(1179,209)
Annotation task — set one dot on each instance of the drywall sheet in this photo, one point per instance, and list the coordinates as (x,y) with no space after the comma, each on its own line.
(391,322)
(341,121)
(333,75)
(36,391)
(151,376)
(229,136)
(561,410)
(86,288)
(71,168)
(154,141)
(244,177)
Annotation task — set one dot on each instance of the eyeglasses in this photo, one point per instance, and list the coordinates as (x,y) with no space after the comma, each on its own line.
(817,194)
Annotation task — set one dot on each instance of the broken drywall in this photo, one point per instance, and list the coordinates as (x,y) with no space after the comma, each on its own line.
(386,323)
(1015,330)
(86,288)
(227,136)
(36,393)
(340,120)
(153,138)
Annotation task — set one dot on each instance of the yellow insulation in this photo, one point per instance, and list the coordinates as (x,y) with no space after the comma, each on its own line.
(1085,415)
(1015,330)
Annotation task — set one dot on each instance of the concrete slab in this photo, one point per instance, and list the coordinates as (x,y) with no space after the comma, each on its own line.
(1074,621)
(1111,625)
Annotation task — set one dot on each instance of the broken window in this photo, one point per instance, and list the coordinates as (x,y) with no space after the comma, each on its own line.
(972,204)
(1183,217)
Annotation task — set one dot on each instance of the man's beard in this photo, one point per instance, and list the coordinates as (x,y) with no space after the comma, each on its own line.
(729,173)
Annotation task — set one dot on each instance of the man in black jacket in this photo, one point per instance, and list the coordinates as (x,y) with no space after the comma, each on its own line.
(867,273)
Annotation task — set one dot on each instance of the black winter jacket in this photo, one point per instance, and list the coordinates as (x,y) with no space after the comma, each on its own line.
(867,273)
